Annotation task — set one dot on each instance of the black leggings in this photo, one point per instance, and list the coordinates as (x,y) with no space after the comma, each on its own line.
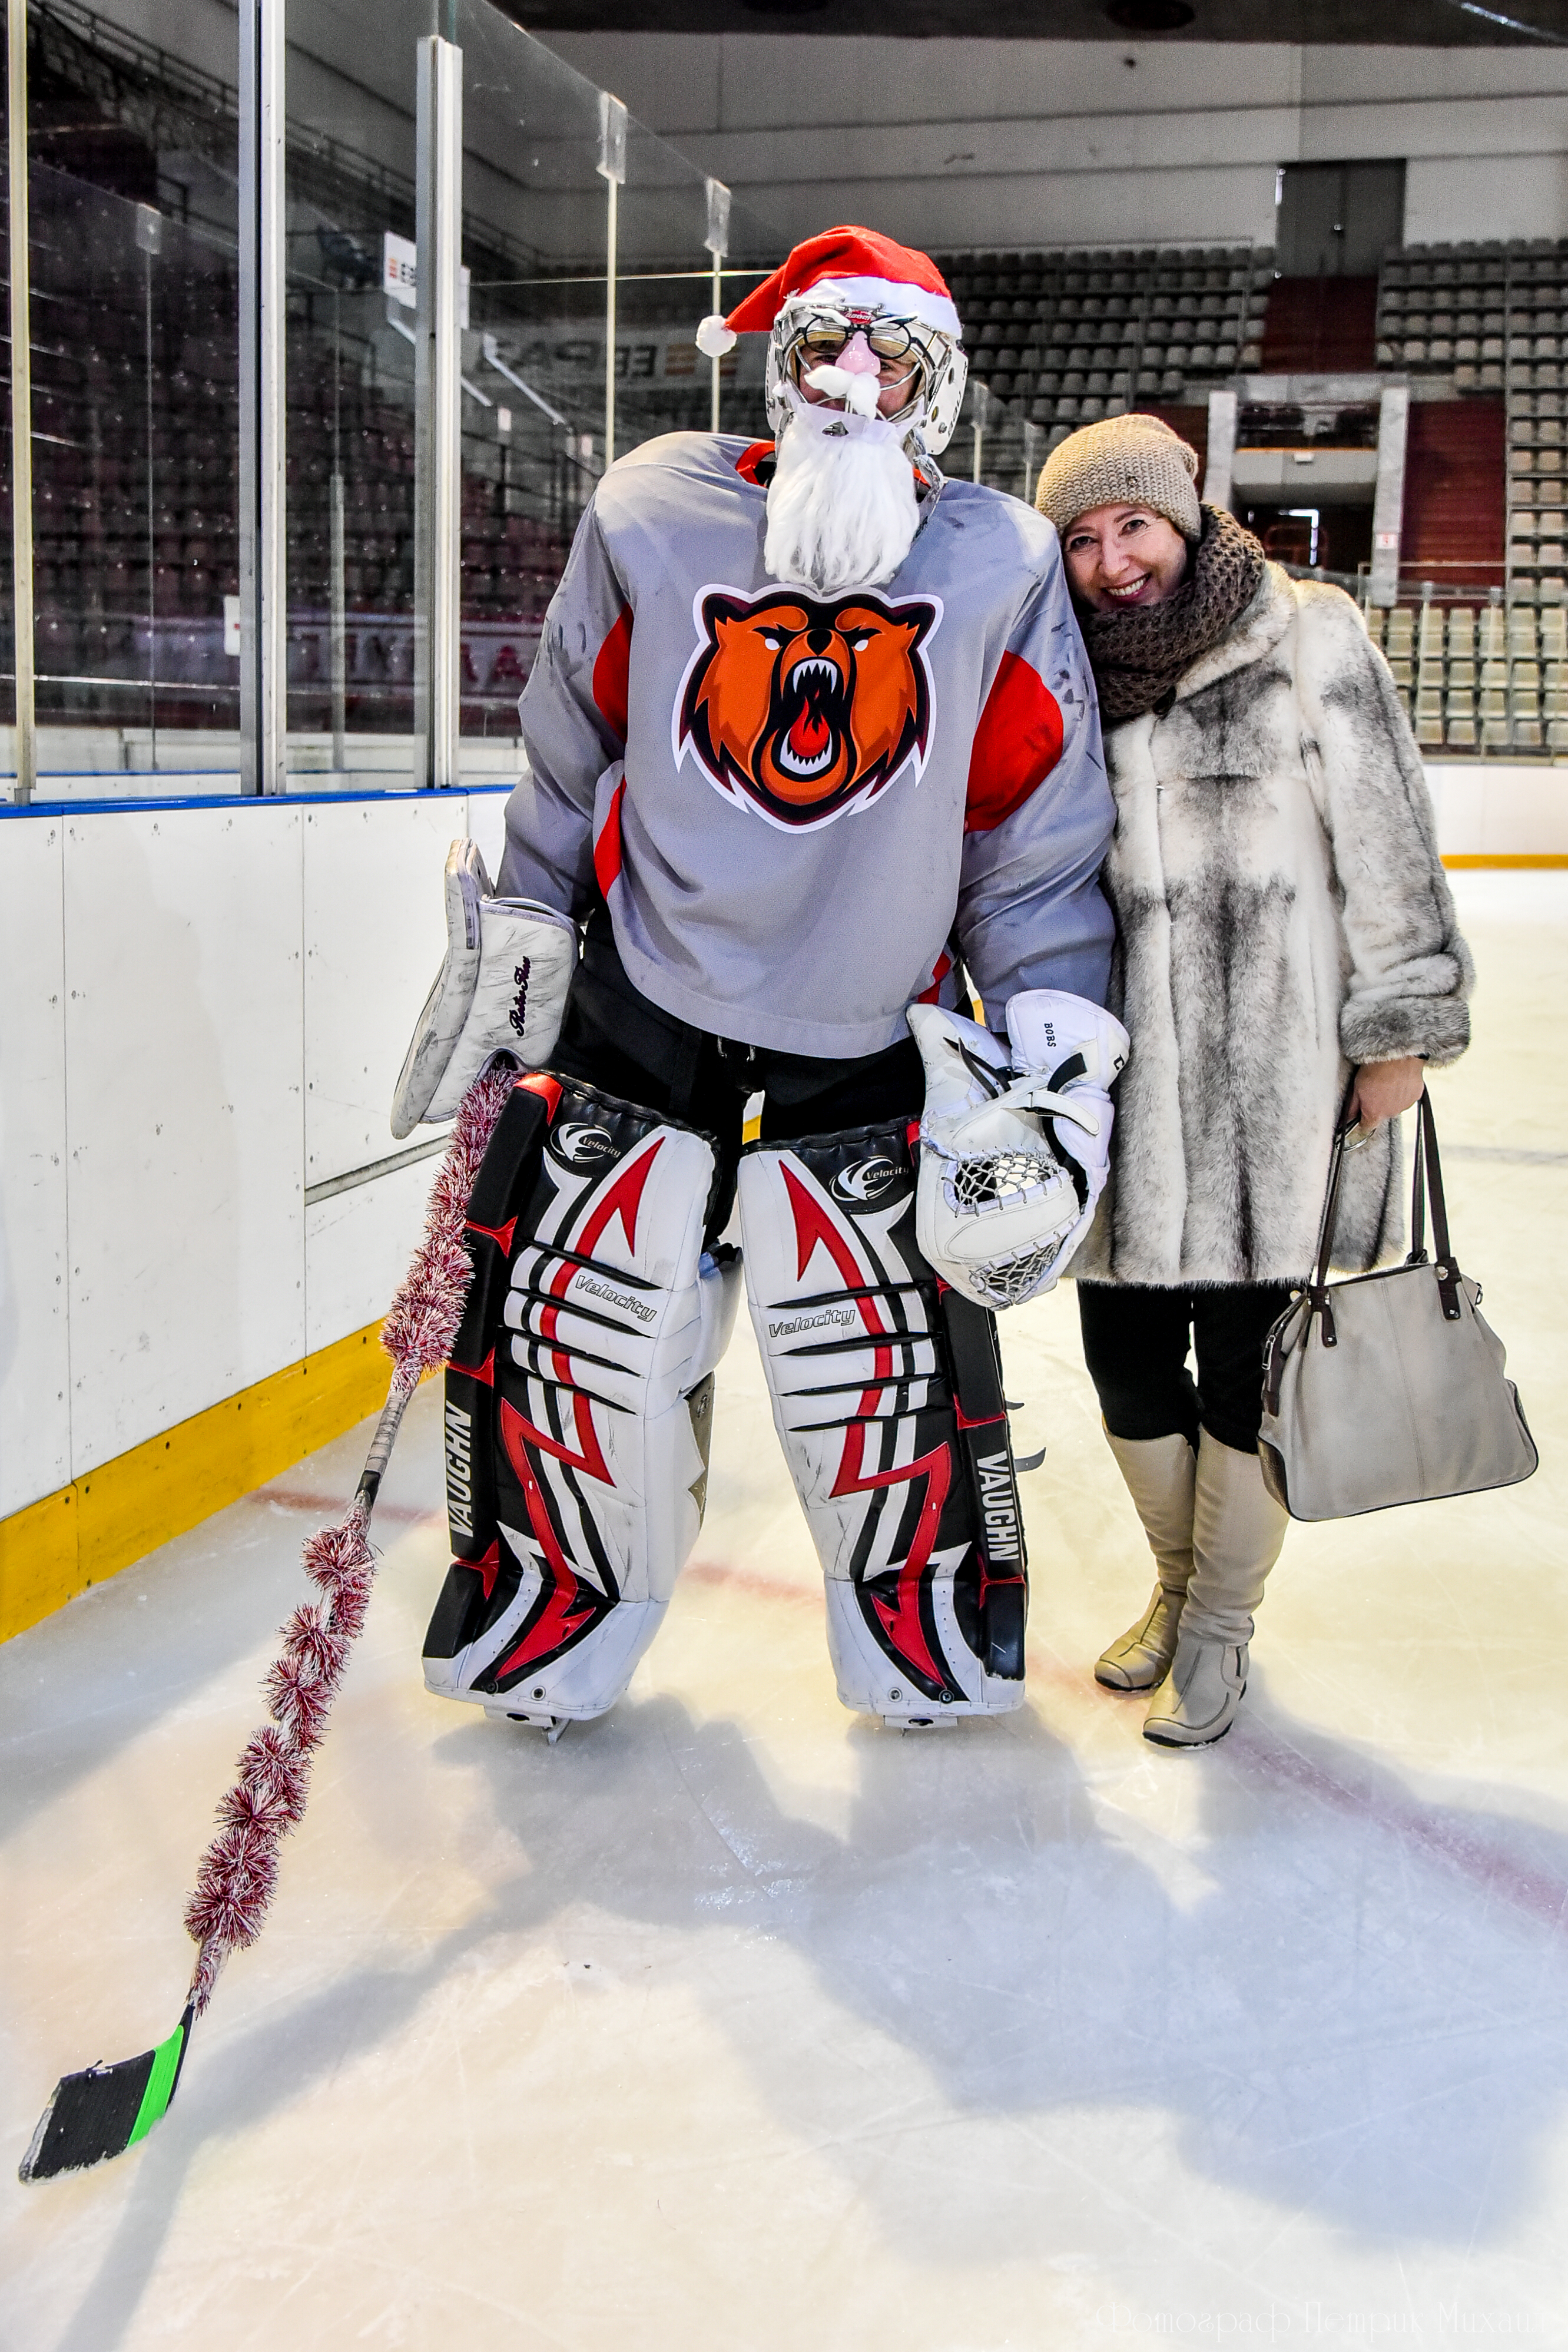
(613,1038)
(1136,1342)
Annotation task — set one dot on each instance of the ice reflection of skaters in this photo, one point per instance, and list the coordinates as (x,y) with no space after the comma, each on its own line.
(810,735)
(1285,920)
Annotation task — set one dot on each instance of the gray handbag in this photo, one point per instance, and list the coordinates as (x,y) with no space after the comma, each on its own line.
(1390,1386)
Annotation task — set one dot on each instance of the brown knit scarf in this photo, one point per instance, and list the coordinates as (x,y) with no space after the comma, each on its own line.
(1138,655)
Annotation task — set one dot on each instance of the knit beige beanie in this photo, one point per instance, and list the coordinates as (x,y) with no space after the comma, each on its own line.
(1121,461)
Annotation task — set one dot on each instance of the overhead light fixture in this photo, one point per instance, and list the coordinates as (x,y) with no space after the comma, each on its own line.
(1512,24)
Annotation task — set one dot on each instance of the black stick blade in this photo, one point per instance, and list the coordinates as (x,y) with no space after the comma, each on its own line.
(105,2110)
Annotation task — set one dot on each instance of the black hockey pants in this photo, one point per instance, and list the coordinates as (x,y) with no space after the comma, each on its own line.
(613,1038)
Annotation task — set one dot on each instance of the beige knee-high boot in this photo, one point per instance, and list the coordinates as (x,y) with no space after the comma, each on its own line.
(1238,1529)
(1159,1474)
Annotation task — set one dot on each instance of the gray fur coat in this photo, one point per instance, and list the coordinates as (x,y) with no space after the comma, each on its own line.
(1281,913)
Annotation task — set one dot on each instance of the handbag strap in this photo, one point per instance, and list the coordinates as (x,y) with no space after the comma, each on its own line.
(1426,1191)
(1319,1286)
(1342,1125)
(1427,1163)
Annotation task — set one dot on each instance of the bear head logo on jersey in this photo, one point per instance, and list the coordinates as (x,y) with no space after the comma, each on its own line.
(802,709)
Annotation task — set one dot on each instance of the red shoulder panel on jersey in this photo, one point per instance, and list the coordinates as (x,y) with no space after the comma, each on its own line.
(1016,744)
(610,671)
(607,847)
(747,462)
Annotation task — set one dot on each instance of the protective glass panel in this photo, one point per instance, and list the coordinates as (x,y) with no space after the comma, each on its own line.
(538,406)
(351,153)
(534,247)
(137,400)
(666,286)
(135,417)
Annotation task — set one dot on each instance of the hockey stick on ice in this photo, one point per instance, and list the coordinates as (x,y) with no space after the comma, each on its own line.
(106,2109)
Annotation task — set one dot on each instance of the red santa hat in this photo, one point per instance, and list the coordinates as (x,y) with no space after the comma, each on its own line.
(858,269)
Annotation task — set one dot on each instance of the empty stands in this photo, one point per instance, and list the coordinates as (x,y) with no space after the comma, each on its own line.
(1490,679)
(135,362)
(1064,337)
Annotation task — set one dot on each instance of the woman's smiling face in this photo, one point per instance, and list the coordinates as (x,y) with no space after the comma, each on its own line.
(1122,556)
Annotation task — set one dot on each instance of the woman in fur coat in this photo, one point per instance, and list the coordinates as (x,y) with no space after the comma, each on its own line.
(1282,920)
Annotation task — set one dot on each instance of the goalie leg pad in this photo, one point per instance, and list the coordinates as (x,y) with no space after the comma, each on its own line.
(887,1399)
(579,1402)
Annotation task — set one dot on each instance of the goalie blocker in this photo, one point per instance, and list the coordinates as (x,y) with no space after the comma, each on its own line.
(502,988)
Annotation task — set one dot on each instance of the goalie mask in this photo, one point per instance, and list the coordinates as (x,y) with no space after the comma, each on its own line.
(924,364)
(851,281)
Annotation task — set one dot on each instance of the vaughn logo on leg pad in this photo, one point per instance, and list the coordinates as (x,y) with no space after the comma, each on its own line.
(998,1498)
(459,1469)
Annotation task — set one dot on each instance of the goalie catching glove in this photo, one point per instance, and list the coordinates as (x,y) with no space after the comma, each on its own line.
(1016,1140)
(502,988)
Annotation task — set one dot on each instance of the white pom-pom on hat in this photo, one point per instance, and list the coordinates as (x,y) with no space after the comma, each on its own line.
(714,339)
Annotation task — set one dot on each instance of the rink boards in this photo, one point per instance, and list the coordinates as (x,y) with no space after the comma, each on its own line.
(200,1197)
(205,1011)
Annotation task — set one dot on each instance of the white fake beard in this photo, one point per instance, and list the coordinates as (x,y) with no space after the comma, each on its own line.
(841,510)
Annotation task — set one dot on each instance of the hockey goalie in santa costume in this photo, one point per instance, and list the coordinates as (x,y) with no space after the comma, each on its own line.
(812,751)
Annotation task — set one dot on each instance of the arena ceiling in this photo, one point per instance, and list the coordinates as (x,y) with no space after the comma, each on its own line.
(1427,24)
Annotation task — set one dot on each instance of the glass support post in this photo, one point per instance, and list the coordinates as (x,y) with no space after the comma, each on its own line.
(339,634)
(717,242)
(717,304)
(149,240)
(611,169)
(263,310)
(21,401)
(1031,442)
(1221,462)
(1388,496)
(336,599)
(438,394)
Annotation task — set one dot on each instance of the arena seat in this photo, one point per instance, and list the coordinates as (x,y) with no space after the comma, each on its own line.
(1102,330)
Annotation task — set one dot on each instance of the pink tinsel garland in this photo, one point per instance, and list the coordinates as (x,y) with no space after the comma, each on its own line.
(238,1872)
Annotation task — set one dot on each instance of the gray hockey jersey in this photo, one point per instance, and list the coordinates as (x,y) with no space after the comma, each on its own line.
(800,811)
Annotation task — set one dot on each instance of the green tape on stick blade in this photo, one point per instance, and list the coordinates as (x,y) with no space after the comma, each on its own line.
(161,2084)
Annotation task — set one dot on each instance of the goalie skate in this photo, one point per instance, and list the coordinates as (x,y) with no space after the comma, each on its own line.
(887,1398)
(579,1403)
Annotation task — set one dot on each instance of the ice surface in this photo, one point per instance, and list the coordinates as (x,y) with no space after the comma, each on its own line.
(737,2024)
